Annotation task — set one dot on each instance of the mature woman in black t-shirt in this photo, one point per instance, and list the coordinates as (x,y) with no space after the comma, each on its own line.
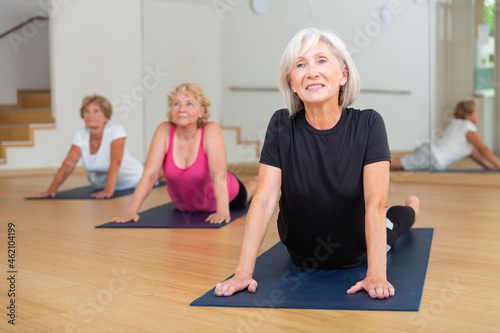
(331,165)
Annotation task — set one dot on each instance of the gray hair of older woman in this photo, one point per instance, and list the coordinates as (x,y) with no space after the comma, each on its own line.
(306,39)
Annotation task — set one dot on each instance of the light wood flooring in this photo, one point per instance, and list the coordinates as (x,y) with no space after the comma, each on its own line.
(72,277)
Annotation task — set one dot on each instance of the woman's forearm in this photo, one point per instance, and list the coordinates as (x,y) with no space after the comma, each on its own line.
(61,175)
(259,216)
(221,192)
(490,157)
(256,225)
(112,178)
(376,243)
(142,190)
(376,187)
(66,168)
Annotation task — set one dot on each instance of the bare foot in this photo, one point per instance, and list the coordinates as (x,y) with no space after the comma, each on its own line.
(414,202)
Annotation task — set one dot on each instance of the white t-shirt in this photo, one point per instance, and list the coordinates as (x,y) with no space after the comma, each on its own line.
(453,144)
(130,169)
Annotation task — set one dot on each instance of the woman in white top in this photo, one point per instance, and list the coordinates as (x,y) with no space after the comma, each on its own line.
(101,145)
(459,140)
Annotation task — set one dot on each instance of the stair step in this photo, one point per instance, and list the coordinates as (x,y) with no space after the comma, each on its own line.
(36,100)
(15,143)
(26,116)
(21,93)
(15,134)
(33,125)
(19,121)
(6,144)
(237,149)
(20,132)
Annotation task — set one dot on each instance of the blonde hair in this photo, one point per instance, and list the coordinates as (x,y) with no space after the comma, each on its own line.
(104,104)
(465,108)
(308,38)
(198,93)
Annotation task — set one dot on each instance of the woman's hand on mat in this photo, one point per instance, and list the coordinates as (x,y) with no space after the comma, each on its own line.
(235,284)
(44,195)
(102,194)
(218,217)
(127,217)
(375,287)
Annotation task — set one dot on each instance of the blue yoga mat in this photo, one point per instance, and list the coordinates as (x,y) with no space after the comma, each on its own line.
(465,171)
(168,216)
(284,285)
(451,171)
(85,192)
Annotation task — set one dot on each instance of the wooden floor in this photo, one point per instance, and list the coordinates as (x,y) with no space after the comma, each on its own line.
(72,277)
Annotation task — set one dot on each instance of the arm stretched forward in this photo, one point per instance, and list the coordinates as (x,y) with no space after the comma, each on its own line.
(152,169)
(259,215)
(376,188)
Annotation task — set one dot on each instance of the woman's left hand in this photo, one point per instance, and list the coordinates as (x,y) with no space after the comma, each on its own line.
(218,217)
(103,194)
(375,287)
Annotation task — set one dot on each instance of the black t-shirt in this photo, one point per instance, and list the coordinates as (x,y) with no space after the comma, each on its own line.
(322,208)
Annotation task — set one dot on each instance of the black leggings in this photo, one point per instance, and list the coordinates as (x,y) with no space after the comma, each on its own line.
(399,220)
(241,198)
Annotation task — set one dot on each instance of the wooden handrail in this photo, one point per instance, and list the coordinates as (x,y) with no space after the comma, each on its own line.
(276,89)
(240,141)
(19,26)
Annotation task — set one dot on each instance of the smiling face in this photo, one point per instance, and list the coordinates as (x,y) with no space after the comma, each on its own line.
(186,109)
(93,116)
(317,76)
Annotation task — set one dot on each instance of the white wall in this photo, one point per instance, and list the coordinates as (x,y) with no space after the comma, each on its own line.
(390,57)
(96,47)
(396,59)
(454,53)
(24,54)
(183,40)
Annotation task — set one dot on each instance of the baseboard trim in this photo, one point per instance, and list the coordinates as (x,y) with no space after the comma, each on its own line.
(487,179)
(19,173)
(454,177)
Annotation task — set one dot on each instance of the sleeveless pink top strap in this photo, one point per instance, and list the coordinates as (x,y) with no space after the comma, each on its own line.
(191,189)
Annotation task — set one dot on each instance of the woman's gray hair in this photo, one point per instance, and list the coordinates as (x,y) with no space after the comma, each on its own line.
(309,38)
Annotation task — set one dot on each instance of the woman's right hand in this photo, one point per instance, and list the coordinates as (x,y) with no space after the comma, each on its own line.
(235,284)
(44,195)
(127,217)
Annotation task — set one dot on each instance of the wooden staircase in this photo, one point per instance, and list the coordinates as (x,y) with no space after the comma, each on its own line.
(234,146)
(19,121)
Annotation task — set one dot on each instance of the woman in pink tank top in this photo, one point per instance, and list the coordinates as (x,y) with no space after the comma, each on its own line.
(192,153)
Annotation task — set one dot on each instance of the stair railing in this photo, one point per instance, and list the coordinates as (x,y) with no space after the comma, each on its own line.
(19,26)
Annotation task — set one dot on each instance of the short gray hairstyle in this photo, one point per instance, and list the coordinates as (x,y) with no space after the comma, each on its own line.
(309,38)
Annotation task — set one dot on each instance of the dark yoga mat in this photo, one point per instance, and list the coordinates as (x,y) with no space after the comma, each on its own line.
(451,171)
(465,171)
(168,216)
(284,285)
(86,191)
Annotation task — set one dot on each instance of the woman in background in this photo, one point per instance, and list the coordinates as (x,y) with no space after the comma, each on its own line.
(192,154)
(101,144)
(459,140)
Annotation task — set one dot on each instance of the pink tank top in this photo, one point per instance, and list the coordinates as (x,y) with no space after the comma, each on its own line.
(192,189)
